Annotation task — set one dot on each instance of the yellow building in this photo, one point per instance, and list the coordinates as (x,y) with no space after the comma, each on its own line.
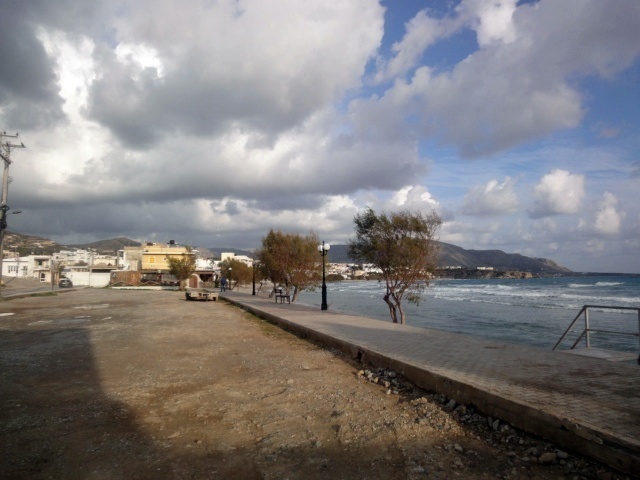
(154,256)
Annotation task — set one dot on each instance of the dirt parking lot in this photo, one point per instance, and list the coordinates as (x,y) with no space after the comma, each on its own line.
(104,384)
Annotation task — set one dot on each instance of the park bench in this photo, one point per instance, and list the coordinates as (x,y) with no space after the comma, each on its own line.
(280,295)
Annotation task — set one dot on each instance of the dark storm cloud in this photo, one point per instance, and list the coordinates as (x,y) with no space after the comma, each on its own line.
(28,83)
(287,201)
(203,123)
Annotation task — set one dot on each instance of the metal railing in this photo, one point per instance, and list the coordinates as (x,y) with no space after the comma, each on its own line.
(586,332)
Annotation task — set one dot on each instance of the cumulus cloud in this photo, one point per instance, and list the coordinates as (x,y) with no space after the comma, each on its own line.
(413,198)
(421,32)
(218,120)
(516,87)
(558,192)
(492,20)
(493,198)
(605,219)
(608,219)
(236,66)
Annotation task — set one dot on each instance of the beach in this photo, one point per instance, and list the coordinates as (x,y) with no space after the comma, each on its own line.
(130,384)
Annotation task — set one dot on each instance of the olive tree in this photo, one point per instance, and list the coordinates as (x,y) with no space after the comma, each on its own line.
(236,272)
(182,266)
(290,260)
(403,246)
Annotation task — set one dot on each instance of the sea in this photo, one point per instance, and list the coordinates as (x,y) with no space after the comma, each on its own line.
(534,312)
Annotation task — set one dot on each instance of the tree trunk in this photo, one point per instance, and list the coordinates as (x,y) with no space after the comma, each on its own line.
(392,308)
(401,315)
(395,307)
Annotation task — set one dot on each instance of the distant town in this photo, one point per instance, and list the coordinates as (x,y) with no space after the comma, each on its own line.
(147,264)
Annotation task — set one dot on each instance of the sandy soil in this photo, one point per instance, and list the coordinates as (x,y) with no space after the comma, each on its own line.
(102,384)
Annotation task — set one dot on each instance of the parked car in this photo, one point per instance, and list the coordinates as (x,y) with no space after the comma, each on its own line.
(65,283)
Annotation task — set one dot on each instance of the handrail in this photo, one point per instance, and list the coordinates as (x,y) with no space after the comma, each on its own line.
(569,328)
(588,330)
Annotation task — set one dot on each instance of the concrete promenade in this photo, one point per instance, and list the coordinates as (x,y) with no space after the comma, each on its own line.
(586,405)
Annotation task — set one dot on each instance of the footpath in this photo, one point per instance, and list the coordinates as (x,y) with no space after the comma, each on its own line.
(586,405)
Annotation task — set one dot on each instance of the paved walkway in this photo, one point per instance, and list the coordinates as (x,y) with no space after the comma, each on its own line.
(586,405)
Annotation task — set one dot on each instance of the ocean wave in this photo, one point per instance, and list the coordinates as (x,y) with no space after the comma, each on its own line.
(594,285)
(533,312)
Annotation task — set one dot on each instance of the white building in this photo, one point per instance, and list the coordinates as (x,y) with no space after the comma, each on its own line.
(32,266)
(94,276)
(205,264)
(72,257)
(233,256)
(41,267)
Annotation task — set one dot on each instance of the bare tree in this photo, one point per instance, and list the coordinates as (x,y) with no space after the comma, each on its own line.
(290,260)
(403,246)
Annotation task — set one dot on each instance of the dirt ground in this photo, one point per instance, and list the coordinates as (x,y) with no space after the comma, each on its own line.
(103,384)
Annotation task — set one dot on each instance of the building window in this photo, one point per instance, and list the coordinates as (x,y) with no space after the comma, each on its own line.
(152,259)
(13,269)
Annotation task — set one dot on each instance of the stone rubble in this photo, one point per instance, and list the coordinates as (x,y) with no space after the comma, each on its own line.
(521,449)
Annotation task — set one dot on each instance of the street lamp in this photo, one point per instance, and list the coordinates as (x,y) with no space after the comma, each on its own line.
(230,283)
(253,264)
(324,250)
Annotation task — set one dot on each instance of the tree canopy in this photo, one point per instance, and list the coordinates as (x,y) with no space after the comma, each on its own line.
(290,260)
(402,245)
(182,266)
(236,272)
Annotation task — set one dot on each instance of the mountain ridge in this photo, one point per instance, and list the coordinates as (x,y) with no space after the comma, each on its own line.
(454,256)
(450,255)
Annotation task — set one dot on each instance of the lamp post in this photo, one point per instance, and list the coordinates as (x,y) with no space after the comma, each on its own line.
(324,250)
(253,264)
(230,282)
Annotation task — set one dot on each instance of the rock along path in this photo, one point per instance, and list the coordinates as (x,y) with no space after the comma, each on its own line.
(583,404)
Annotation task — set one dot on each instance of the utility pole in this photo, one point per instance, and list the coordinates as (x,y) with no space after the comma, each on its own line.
(6,147)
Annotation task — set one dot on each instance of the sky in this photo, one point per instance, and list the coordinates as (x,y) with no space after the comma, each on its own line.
(209,122)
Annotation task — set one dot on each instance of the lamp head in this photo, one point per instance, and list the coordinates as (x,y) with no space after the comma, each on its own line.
(324,247)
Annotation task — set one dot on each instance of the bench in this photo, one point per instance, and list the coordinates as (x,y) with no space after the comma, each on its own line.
(282,296)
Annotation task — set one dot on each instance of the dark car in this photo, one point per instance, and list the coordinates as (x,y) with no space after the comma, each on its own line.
(65,283)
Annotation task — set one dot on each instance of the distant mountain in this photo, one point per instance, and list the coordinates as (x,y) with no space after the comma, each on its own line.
(107,247)
(454,256)
(29,244)
(450,255)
